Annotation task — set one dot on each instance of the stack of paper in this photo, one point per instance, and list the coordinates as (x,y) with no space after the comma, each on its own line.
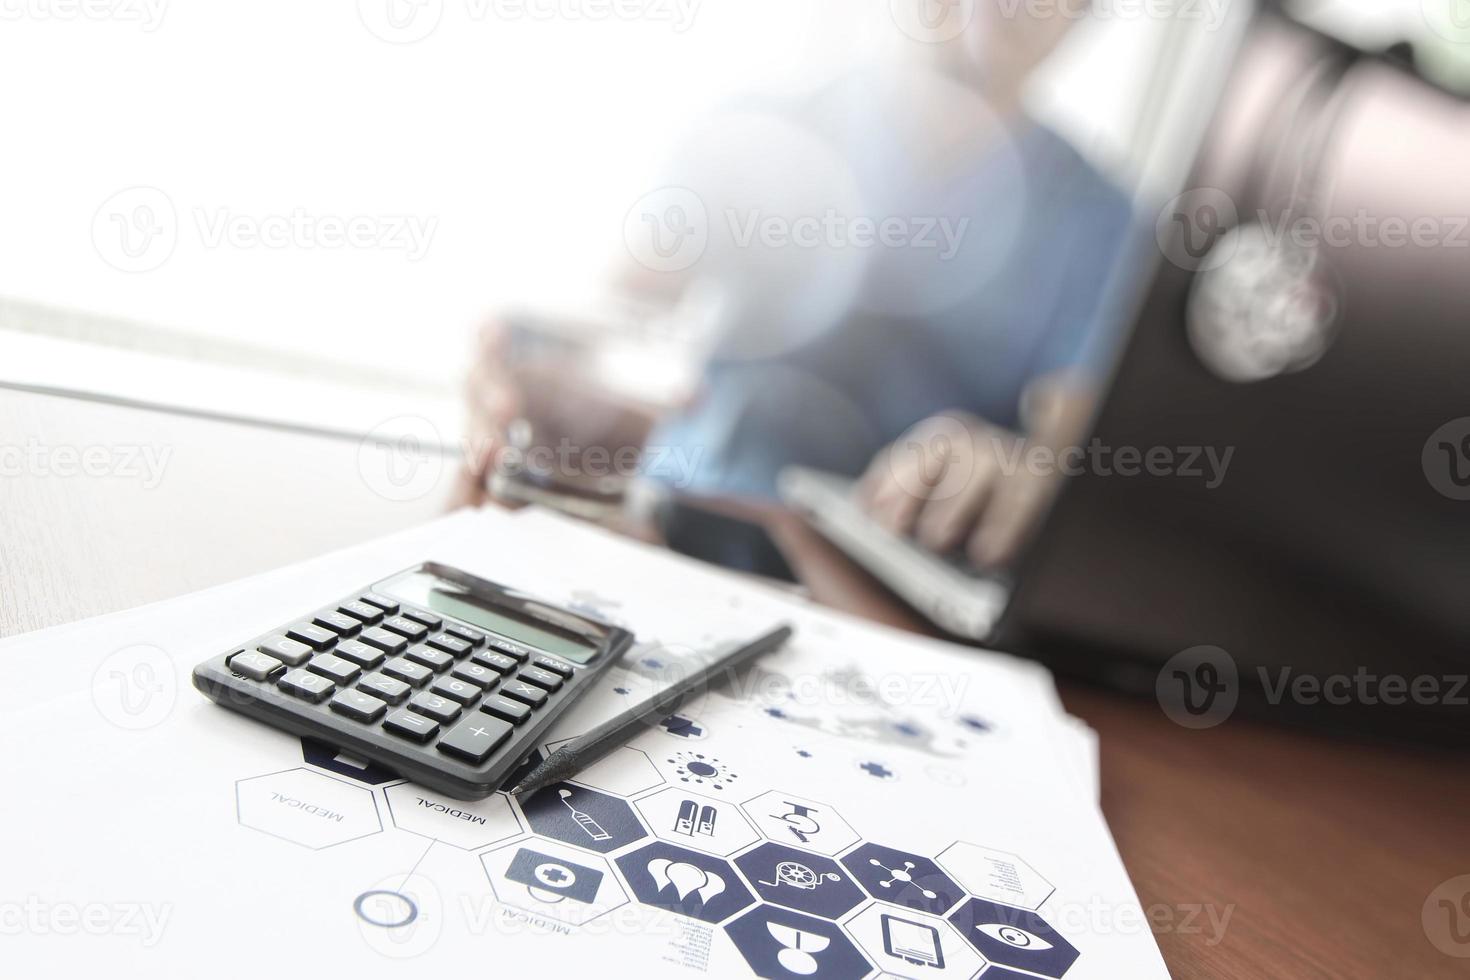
(864,802)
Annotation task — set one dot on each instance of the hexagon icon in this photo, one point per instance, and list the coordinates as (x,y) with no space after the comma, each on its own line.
(996,875)
(675,878)
(625,771)
(800,880)
(1014,937)
(790,819)
(910,880)
(470,826)
(583,817)
(553,880)
(911,944)
(307,808)
(780,944)
(696,821)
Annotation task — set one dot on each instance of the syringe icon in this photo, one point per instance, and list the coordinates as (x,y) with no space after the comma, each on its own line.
(584,820)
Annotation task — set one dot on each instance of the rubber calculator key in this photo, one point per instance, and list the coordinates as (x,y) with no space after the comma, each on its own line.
(334,668)
(359,706)
(552,664)
(363,611)
(402,624)
(435,660)
(381,601)
(508,647)
(521,691)
(450,644)
(407,671)
(360,653)
(427,618)
(384,640)
(255,665)
(289,652)
(512,711)
(433,706)
(411,726)
(338,622)
(473,637)
(475,738)
(385,687)
(477,674)
(306,685)
(496,661)
(462,691)
(541,678)
(314,636)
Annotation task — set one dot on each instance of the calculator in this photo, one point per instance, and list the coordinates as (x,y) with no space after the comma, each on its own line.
(444,678)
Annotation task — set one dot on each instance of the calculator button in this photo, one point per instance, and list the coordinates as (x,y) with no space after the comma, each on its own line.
(381,601)
(435,707)
(462,691)
(358,706)
(254,665)
(521,691)
(407,671)
(383,640)
(541,678)
(477,674)
(315,636)
(512,711)
(475,738)
(495,661)
(385,687)
(435,660)
(334,668)
(427,618)
(411,726)
(338,622)
(306,685)
(450,644)
(360,610)
(286,651)
(554,665)
(473,637)
(410,629)
(360,653)
(509,648)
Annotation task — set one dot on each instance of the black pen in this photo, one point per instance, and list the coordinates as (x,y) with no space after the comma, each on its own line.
(587,748)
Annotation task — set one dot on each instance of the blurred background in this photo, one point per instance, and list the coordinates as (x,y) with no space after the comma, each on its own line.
(492,150)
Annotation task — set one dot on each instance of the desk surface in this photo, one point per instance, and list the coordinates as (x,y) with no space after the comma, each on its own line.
(1322,853)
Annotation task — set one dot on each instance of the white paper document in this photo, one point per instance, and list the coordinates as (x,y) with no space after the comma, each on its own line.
(861,803)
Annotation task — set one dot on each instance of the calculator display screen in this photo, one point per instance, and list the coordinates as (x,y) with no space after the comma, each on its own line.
(455,600)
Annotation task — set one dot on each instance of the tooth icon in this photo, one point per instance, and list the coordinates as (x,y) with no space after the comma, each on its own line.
(686,879)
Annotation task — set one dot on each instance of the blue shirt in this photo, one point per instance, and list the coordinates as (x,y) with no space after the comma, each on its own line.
(1021,297)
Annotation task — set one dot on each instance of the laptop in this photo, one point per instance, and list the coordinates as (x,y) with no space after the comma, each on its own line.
(1336,549)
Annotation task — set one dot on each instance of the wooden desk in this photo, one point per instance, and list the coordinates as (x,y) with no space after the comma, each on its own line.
(1323,852)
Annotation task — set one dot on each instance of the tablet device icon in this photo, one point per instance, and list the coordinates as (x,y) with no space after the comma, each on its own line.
(913,942)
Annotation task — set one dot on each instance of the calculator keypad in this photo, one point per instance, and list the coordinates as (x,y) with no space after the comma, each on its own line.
(306,685)
(292,653)
(452,690)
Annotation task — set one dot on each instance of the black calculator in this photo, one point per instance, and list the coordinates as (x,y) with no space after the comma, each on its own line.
(442,677)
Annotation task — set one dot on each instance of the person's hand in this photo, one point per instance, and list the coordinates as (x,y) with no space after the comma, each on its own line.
(543,413)
(955,480)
